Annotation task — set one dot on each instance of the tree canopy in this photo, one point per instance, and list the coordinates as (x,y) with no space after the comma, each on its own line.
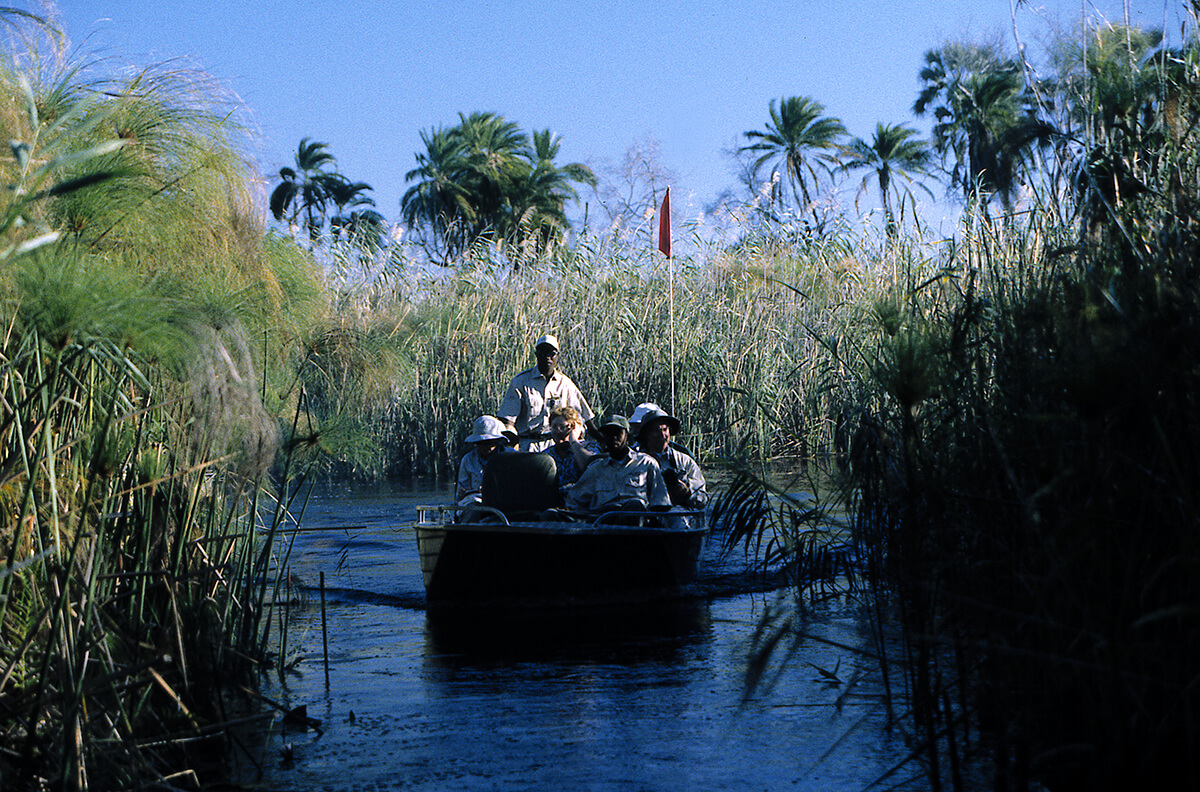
(797,140)
(486,179)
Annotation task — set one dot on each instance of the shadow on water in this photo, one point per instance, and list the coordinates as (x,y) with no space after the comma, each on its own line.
(410,600)
(620,633)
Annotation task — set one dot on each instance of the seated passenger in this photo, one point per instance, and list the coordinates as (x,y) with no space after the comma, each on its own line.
(621,479)
(635,418)
(571,451)
(682,475)
(487,437)
(510,437)
(635,425)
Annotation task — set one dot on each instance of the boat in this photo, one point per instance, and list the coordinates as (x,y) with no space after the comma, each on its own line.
(518,545)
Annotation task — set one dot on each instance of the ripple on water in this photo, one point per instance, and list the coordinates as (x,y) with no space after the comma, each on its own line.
(642,696)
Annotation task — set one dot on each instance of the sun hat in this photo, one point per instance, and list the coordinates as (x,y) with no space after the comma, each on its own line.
(639,412)
(547,339)
(486,427)
(655,413)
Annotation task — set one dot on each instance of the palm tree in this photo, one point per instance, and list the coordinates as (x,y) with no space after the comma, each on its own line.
(797,139)
(362,231)
(495,155)
(438,202)
(305,189)
(540,201)
(985,119)
(483,179)
(1120,96)
(892,153)
(342,192)
(468,175)
(1108,81)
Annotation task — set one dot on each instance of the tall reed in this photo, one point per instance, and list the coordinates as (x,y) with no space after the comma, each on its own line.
(1021,462)
(135,290)
(129,530)
(1021,471)
(732,335)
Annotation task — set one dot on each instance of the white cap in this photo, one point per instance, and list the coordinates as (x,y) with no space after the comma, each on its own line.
(486,427)
(655,413)
(547,339)
(640,412)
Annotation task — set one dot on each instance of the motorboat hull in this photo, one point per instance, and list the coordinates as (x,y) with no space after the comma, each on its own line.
(555,560)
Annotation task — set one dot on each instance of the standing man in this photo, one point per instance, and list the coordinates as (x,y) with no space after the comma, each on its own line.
(535,392)
(682,475)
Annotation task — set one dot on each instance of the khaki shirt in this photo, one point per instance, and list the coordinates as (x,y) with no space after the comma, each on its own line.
(689,475)
(530,398)
(609,482)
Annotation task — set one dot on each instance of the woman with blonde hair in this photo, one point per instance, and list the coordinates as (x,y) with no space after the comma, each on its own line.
(571,450)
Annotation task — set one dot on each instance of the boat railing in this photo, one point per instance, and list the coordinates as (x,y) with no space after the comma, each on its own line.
(446,514)
(452,514)
(669,518)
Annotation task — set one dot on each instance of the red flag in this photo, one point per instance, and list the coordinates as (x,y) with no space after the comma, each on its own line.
(664,225)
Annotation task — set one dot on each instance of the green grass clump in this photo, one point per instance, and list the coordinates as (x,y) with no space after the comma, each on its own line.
(139,301)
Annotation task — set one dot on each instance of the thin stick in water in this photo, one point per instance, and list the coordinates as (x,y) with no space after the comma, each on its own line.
(324,630)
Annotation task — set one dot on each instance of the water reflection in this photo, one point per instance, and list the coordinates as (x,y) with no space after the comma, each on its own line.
(627,696)
(616,633)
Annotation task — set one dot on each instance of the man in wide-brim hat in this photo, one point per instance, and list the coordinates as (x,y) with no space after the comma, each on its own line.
(680,471)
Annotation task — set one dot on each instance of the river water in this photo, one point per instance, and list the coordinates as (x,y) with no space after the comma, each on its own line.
(645,697)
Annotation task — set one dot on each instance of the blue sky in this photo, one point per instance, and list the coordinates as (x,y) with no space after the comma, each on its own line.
(368,77)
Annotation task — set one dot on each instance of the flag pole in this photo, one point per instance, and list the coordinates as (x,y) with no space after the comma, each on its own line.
(664,244)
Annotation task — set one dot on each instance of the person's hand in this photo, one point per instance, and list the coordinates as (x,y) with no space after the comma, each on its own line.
(675,488)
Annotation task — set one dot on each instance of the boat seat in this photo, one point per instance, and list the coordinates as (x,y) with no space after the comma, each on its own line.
(520,484)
